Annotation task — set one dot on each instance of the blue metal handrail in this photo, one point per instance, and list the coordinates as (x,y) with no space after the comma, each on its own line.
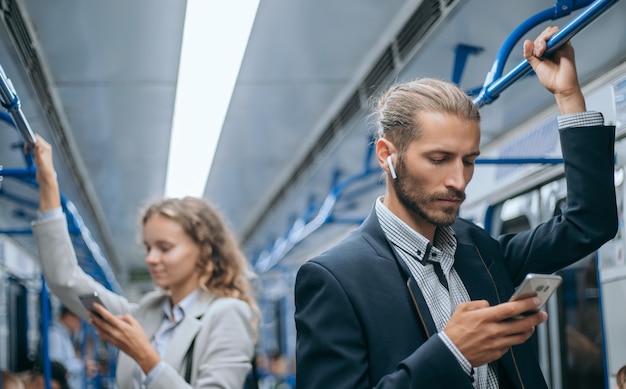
(102,272)
(10,102)
(306,224)
(492,89)
(560,9)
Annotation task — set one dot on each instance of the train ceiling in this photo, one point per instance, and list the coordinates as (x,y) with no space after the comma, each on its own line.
(99,80)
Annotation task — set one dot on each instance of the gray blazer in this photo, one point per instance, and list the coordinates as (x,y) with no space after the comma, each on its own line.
(222,327)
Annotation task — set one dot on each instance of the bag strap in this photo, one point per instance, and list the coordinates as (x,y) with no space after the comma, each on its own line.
(189,359)
(255,374)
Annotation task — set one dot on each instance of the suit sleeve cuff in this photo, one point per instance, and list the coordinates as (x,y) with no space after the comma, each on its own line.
(465,364)
(581,119)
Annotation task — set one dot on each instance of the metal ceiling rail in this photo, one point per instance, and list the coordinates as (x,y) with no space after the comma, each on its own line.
(10,101)
(493,87)
(94,263)
(311,221)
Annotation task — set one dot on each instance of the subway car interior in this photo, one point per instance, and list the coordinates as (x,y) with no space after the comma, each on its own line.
(293,171)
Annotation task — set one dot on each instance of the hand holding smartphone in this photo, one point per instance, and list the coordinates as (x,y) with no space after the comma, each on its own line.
(88,301)
(540,285)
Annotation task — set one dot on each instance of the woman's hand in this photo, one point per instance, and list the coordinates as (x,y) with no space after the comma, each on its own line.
(125,333)
(49,197)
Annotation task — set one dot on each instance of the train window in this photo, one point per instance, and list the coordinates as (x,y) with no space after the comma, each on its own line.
(18,326)
(581,326)
(517,214)
(514,225)
(579,323)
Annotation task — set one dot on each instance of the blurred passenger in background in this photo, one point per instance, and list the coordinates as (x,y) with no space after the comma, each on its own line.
(417,298)
(63,346)
(278,376)
(197,329)
(620,378)
(11,381)
(35,378)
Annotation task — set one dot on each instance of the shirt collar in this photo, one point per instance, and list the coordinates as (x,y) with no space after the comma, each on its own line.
(412,242)
(177,313)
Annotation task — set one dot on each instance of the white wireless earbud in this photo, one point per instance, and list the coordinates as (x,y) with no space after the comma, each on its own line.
(391,169)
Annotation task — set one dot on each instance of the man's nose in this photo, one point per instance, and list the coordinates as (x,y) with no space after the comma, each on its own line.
(456,176)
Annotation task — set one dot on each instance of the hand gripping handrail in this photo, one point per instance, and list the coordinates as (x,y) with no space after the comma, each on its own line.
(492,89)
(10,102)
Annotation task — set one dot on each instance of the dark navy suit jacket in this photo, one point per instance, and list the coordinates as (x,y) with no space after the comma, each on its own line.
(362,322)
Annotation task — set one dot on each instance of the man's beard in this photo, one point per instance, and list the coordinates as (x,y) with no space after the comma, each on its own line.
(418,203)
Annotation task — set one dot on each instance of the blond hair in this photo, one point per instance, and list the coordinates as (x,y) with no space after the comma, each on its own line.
(397,110)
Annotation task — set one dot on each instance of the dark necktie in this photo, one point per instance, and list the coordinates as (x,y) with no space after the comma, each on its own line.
(436,266)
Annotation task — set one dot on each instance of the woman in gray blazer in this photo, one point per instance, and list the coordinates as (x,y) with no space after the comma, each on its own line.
(197,329)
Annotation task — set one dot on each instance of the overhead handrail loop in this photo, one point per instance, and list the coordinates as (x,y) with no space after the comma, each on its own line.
(560,9)
(492,90)
(10,102)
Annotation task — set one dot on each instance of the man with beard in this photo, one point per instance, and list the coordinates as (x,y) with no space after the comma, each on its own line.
(416,297)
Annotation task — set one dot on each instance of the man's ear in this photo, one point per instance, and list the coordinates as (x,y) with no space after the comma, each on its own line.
(386,155)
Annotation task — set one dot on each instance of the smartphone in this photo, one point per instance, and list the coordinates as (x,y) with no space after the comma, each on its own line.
(540,285)
(88,300)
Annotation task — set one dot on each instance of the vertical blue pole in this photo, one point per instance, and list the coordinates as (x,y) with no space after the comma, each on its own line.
(605,351)
(45,322)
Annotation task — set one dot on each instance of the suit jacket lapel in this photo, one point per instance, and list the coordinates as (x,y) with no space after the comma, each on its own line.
(150,319)
(419,302)
(475,274)
(371,227)
(187,331)
(481,285)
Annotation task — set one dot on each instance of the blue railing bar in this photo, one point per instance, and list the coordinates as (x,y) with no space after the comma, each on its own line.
(75,223)
(507,47)
(559,10)
(301,228)
(461,54)
(18,199)
(25,231)
(605,367)
(91,244)
(11,103)
(588,15)
(5,117)
(299,231)
(488,221)
(518,161)
(356,193)
(348,220)
(45,322)
(18,172)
